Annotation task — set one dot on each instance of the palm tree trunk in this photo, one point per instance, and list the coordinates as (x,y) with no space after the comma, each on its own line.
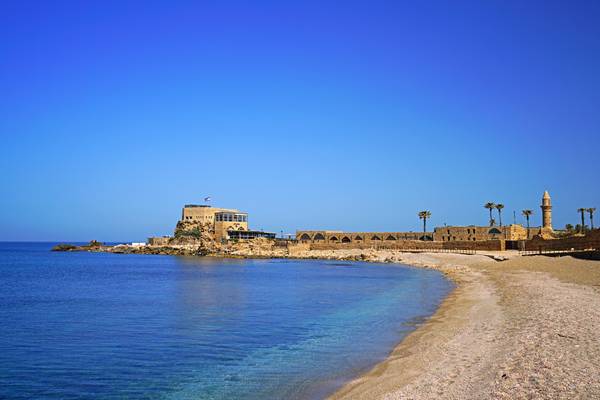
(592,220)
(500,216)
(582,221)
(528,227)
(491,217)
(424,225)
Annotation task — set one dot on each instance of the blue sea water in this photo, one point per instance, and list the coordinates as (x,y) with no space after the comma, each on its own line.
(110,326)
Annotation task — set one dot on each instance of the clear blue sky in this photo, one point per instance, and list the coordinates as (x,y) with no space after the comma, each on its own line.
(340,115)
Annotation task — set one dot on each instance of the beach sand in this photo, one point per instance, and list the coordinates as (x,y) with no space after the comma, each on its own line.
(525,328)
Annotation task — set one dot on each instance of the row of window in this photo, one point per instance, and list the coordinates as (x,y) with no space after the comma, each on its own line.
(228,217)
(451,238)
(469,231)
(249,234)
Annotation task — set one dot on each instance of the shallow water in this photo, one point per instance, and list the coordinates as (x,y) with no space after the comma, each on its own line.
(108,326)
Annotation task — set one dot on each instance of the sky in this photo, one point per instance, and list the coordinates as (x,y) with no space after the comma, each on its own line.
(307,115)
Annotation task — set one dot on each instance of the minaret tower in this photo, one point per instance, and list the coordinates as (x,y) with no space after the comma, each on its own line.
(546,212)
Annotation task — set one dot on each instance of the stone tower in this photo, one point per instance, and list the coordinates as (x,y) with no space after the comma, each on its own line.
(546,212)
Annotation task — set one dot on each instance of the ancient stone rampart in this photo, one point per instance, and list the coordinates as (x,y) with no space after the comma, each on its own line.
(490,245)
(591,241)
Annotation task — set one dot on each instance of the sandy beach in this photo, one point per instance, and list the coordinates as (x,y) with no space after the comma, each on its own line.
(524,328)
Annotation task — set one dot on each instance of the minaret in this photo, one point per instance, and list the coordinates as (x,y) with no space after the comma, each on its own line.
(546,212)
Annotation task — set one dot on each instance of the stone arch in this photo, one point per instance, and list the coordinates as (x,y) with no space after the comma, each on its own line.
(375,237)
(390,237)
(426,238)
(241,228)
(304,236)
(319,236)
(346,239)
(495,231)
(333,239)
(358,237)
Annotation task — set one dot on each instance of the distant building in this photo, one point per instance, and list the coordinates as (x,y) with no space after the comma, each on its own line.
(227,223)
(158,240)
(471,233)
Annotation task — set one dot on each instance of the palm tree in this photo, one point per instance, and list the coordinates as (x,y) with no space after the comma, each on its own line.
(582,211)
(569,227)
(424,215)
(499,207)
(591,211)
(527,213)
(490,206)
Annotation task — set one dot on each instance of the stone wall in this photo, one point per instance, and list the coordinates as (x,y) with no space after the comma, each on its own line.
(360,238)
(474,233)
(158,241)
(587,242)
(294,249)
(484,245)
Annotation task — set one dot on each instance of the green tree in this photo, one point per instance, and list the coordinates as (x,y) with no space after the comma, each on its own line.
(527,214)
(424,215)
(582,211)
(490,206)
(591,212)
(569,228)
(499,207)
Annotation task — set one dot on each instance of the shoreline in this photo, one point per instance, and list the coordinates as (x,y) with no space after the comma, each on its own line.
(378,381)
(526,327)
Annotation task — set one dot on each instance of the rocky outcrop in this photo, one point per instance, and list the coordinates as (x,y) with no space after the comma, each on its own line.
(93,245)
(65,247)
(193,233)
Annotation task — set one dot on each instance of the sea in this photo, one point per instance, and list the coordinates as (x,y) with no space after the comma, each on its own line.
(113,326)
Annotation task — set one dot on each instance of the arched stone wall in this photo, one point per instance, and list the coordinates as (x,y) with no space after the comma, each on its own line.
(319,236)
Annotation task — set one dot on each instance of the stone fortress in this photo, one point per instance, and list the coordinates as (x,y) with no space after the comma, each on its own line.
(201,221)
(213,227)
(509,233)
(221,220)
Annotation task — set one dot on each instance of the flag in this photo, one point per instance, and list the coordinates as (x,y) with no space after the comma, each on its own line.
(207,199)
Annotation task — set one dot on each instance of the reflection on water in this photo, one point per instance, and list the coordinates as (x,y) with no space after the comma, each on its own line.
(79,325)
